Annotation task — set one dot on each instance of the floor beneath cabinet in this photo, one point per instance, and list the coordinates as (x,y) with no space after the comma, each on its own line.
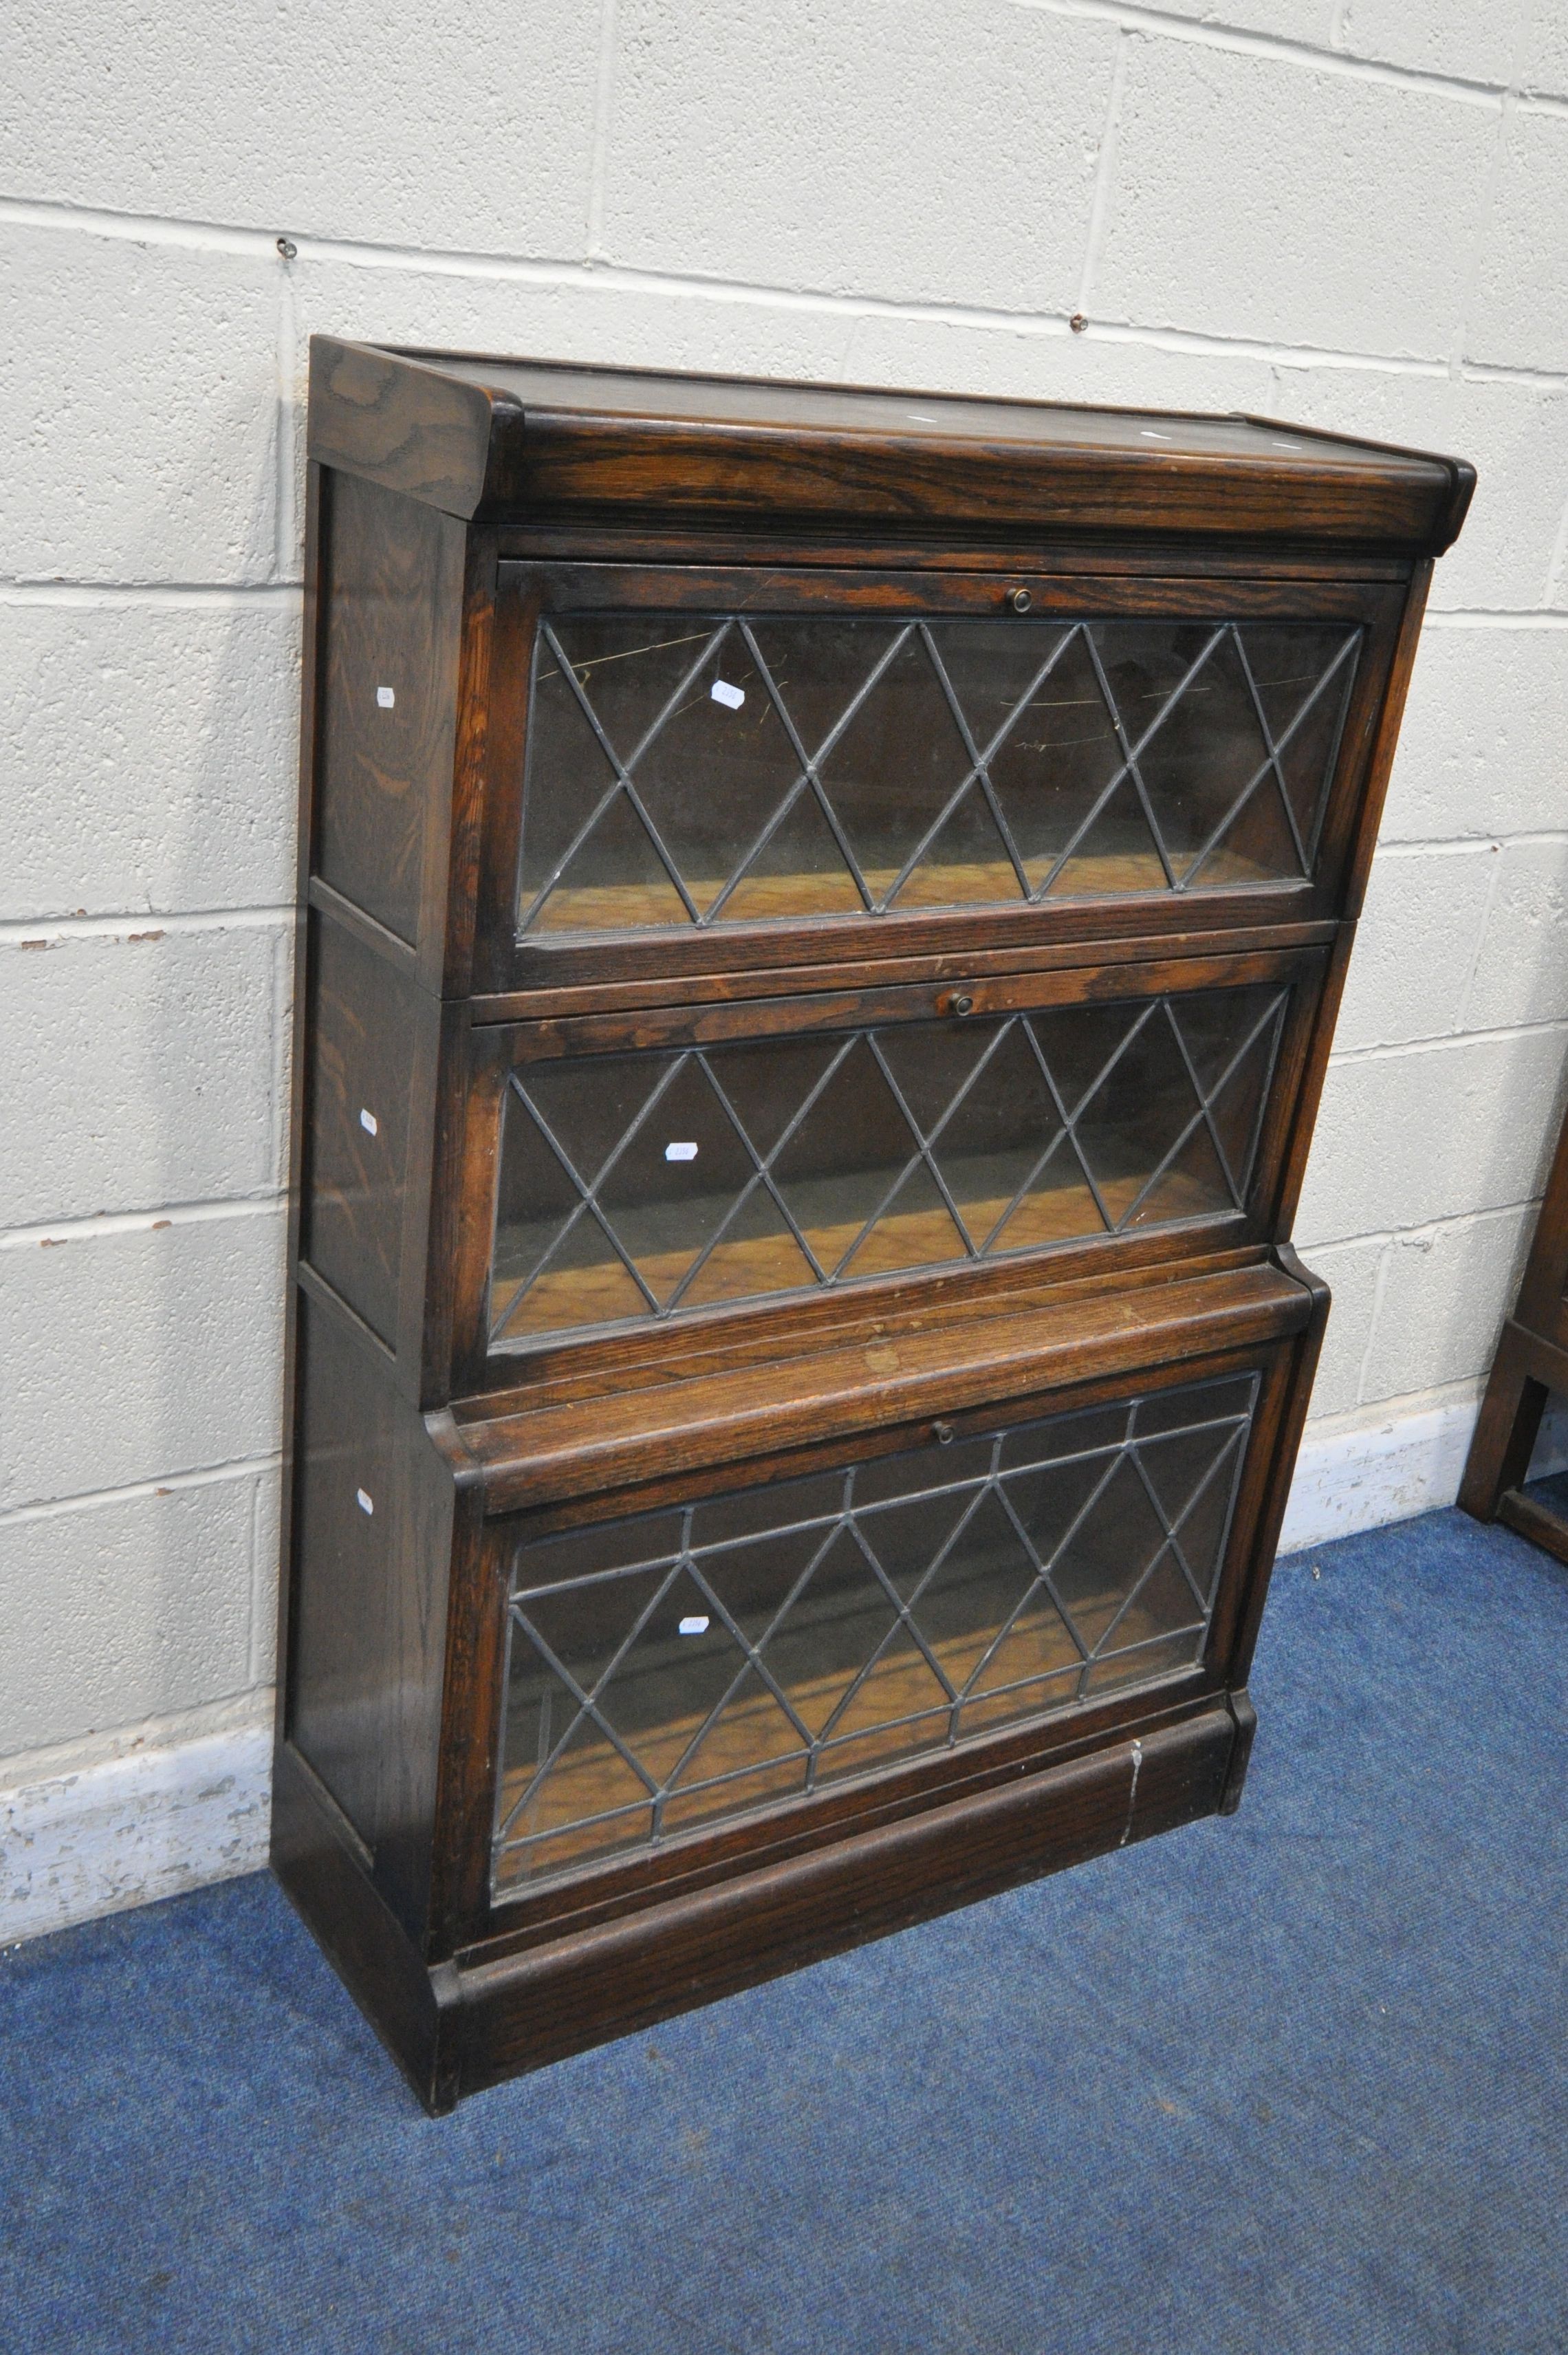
(1292,2082)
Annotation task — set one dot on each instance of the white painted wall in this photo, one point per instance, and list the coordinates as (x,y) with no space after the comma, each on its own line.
(1350,212)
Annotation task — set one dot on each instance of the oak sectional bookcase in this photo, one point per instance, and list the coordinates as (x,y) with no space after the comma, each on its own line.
(822,916)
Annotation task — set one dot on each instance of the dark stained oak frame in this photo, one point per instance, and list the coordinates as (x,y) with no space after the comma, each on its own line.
(1530,1365)
(451,502)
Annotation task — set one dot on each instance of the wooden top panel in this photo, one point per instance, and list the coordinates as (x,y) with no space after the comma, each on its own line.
(519,440)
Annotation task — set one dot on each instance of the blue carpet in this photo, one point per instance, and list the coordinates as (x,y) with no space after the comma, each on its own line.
(1289,2084)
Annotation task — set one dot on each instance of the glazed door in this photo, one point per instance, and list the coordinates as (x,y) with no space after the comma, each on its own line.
(708,771)
(663,1170)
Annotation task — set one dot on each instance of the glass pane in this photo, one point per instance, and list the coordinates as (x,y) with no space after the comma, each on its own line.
(571,773)
(994,668)
(676,1181)
(1098,1431)
(1176,1410)
(637,1186)
(1231,1039)
(614,878)
(1096,1570)
(535,1201)
(1303,677)
(843,1163)
(1204,746)
(1166,1657)
(631,668)
(799,870)
(998,1135)
(1052,772)
(720,768)
(820,665)
(694,769)
(916,1229)
(893,769)
(692,1665)
(1143,1125)
(965,861)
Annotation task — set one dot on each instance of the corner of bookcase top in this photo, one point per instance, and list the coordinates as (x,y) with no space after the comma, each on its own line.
(1448,517)
(402,424)
(482,437)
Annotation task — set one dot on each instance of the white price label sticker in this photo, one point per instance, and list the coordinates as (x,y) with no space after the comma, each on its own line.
(365,1505)
(680,1153)
(731,697)
(368,1123)
(694,1626)
(386,697)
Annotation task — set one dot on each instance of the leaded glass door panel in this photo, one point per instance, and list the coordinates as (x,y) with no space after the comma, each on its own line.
(680,1667)
(637,1186)
(687,767)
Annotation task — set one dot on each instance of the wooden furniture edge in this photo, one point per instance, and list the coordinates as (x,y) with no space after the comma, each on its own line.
(1461,472)
(401,422)
(454,2028)
(525,1455)
(538,2006)
(396,416)
(1530,1518)
(1525,1369)
(319,1866)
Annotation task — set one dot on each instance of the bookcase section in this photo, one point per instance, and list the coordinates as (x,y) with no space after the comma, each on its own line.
(690,1665)
(822,927)
(633,1187)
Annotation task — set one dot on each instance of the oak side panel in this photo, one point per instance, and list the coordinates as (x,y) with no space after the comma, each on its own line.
(373,1538)
(363,1940)
(394,599)
(1385,740)
(364,1125)
(311,668)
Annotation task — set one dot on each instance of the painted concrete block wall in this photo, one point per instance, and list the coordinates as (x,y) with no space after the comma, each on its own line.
(1353,213)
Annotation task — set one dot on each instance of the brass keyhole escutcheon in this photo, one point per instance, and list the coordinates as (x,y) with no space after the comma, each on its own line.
(1021,600)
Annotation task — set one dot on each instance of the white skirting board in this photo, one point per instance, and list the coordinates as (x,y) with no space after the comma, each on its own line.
(131,1829)
(1389,1471)
(122,1833)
